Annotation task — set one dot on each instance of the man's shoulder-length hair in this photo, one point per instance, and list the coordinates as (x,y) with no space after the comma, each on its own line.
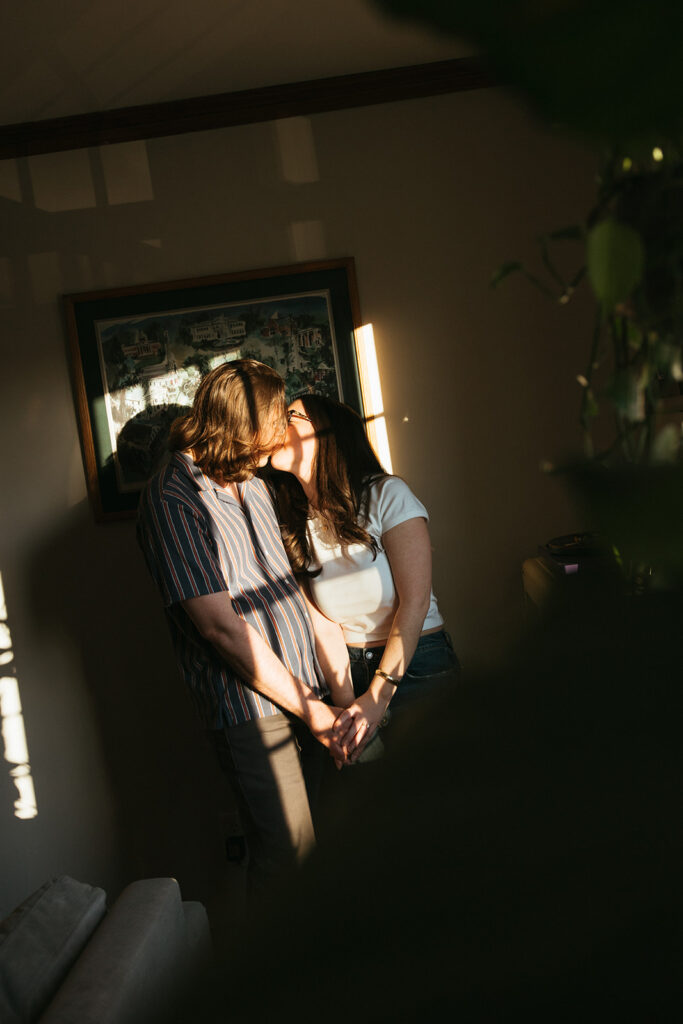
(238,416)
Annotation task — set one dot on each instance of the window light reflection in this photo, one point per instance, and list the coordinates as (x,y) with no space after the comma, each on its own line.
(371,390)
(13,731)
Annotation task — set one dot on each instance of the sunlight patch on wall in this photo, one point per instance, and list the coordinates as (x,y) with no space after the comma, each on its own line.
(371,390)
(296,146)
(308,240)
(13,731)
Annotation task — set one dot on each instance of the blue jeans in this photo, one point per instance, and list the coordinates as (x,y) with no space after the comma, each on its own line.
(433,667)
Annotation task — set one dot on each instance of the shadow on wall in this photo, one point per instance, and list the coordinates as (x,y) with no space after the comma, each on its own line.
(142,443)
(89,588)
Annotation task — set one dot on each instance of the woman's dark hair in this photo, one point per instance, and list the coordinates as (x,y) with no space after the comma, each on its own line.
(234,405)
(344,467)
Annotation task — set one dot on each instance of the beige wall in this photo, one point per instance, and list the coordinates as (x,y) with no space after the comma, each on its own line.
(429,196)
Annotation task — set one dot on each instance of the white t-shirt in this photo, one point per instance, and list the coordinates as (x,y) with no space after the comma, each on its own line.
(354,589)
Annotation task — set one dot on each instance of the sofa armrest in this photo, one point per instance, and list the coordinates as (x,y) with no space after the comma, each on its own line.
(41,940)
(139,961)
(198,936)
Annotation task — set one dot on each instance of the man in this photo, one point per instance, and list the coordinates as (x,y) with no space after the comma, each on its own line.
(241,631)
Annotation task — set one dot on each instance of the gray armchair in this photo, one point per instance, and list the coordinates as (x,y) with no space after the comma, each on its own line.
(66,959)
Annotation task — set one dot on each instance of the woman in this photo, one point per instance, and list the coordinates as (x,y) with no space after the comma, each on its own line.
(358,539)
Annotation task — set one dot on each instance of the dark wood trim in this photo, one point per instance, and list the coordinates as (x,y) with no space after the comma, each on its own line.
(82,411)
(246,107)
(346,263)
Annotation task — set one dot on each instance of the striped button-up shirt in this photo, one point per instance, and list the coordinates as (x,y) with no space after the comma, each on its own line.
(198,539)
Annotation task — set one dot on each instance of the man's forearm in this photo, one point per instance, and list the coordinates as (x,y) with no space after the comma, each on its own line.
(258,666)
(254,662)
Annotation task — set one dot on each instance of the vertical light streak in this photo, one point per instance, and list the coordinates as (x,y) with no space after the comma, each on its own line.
(13,731)
(371,390)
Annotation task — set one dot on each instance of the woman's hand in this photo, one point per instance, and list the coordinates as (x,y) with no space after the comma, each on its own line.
(357,724)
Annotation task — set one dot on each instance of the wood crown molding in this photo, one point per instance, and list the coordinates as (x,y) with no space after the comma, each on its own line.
(248,106)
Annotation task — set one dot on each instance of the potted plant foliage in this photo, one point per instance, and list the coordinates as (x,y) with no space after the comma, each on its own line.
(611,74)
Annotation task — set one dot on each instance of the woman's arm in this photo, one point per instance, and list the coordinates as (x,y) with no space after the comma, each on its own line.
(332,653)
(409,551)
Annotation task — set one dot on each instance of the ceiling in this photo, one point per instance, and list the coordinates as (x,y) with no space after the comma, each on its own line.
(59,59)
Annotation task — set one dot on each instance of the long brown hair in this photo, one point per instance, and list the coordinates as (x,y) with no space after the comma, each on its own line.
(232,410)
(344,467)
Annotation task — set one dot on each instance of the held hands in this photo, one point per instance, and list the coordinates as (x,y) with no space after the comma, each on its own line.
(323,725)
(346,732)
(356,725)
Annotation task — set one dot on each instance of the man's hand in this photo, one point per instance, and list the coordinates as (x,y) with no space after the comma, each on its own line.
(321,719)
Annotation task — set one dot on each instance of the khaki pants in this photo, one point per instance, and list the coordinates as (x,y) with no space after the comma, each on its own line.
(274,766)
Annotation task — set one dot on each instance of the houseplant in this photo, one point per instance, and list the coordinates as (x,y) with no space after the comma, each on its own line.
(630,250)
(610,73)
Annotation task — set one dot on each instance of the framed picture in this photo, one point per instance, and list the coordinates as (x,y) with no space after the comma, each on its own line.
(139,353)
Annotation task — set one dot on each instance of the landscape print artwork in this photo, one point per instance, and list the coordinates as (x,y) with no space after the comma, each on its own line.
(139,352)
(152,364)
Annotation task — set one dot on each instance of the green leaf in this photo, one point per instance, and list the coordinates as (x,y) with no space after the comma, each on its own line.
(511,267)
(615,259)
(626,392)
